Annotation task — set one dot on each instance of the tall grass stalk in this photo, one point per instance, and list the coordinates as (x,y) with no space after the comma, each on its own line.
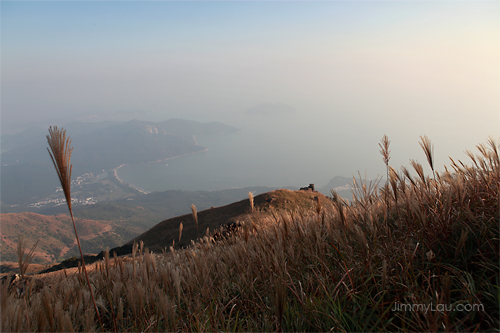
(428,149)
(250,198)
(384,150)
(24,259)
(195,217)
(60,152)
(180,231)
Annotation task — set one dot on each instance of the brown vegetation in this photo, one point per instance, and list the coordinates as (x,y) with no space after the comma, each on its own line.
(332,267)
(162,236)
(60,152)
(56,236)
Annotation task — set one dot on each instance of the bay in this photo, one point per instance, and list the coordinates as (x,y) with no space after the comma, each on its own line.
(273,151)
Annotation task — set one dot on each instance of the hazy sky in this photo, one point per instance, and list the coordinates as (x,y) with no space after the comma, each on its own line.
(361,68)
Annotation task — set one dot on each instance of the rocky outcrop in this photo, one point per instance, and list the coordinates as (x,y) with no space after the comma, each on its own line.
(308,188)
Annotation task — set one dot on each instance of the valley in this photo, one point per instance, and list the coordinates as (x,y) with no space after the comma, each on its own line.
(106,224)
(112,197)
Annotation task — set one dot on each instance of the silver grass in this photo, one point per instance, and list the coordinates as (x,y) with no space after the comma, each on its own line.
(428,149)
(195,217)
(60,153)
(250,197)
(384,150)
(23,257)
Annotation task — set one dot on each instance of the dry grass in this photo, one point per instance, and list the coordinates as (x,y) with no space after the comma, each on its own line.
(336,267)
(250,198)
(24,259)
(60,152)
(195,218)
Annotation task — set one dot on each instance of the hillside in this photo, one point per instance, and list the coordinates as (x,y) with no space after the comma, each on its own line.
(165,233)
(145,211)
(127,218)
(56,238)
(418,254)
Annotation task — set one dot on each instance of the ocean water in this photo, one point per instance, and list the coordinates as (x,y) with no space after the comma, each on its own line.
(268,151)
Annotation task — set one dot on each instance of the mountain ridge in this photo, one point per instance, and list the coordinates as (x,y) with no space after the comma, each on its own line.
(165,233)
(214,221)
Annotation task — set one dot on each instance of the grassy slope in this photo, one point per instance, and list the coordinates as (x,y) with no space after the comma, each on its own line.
(56,236)
(418,241)
(128,218)
(166,232)
(148,210)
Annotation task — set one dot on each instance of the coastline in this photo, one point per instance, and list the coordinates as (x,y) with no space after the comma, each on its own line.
(143,191)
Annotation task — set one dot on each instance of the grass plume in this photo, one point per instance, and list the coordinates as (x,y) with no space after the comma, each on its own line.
(180,231)
(195,217)
(384,150)
(60,152)
(250,197)
(428,149)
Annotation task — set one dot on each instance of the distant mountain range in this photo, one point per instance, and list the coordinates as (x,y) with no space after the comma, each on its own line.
(106,145)
(27,172)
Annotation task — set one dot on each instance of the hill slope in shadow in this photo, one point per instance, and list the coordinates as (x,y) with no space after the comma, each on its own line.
(166,233)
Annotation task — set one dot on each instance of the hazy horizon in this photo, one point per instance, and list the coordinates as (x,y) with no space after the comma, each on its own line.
(350,71)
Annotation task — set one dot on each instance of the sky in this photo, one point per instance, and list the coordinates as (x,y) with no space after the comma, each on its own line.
(353,71)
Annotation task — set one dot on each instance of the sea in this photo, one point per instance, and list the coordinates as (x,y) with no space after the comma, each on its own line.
(274,151)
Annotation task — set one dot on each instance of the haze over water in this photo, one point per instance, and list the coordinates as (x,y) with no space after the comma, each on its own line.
(352,71)
(268,151)
(281,150)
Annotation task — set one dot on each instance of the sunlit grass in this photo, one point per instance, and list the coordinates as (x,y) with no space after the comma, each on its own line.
(338,267)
